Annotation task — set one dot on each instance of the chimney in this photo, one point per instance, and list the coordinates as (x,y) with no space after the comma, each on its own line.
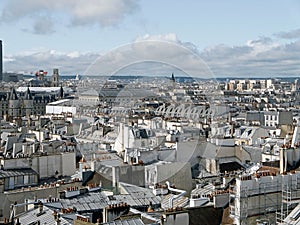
(162,219)
(57,222)
(41,207)
(26,205)
(56,218)
(35,201)
(98,221)
(18,222)
(55,215)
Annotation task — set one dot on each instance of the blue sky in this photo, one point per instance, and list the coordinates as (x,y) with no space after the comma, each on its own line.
(234,38)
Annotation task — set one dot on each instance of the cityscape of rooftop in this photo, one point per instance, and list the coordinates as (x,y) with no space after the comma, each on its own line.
(149,112)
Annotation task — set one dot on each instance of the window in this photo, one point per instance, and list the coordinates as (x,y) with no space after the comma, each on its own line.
(6,183)
(20,180)
(11,184)
(32,179)
(26,179)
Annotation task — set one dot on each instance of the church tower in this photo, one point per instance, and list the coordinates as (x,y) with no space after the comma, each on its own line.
(14,106)
(28,103)
(55,78)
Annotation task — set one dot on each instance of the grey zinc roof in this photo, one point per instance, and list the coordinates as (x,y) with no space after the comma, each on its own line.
(178,202)
(138,196)
(45,218)
(126,93)
(87,202)
(93,201)
(90,92)
(136,199)
(16,172)
(109,92)
(135,221)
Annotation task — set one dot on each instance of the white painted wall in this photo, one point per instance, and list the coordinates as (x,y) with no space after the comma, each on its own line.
(56,109)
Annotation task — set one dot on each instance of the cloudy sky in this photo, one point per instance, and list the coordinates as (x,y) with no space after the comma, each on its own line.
(230,38)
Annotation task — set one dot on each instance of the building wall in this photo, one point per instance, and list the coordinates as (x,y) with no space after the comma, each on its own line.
(129,174)
(177,219)
(51,109)
(126,139)
(22,107)
(68,164)
(262,194)
(3,107)
(47,166)
(15,163)
(19,196)
(178,173)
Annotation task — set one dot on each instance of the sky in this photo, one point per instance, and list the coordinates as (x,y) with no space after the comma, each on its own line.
(231,38)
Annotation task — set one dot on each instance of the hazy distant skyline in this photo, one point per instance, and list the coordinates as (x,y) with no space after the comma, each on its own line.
(234,38)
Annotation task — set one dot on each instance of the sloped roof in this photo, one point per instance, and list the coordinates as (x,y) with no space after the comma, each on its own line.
(98,200)
(134,221)
(13,95)
(90,92)
(16,172)
(178,202)
(44,218)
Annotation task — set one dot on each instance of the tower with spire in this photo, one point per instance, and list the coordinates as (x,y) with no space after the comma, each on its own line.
(27,103)
(14,106)
(173,78)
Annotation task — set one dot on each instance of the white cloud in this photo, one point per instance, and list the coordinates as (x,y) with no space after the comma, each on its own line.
(80,12)
(164,54)
(152,54)
(43,25)
(159,37)
(30,61)
(261,45)
(8,59)
(293,34)
(262,57)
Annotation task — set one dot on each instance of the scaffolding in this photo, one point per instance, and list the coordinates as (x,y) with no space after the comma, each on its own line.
(240,213)
(290,198)
(260,201)
(232,194)
(244,205)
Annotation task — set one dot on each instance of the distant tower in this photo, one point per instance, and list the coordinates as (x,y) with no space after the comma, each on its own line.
(173,78)
(55,78)
(172,81)
(1,62)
